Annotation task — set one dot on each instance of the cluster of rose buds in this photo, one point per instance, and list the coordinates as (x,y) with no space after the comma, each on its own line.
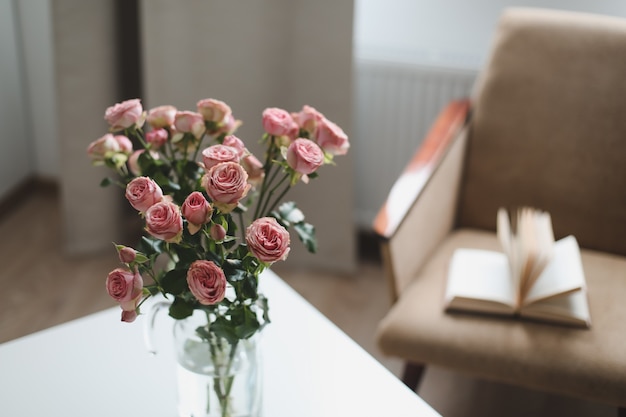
(303,141)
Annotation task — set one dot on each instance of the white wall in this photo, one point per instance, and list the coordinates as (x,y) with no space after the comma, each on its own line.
(16,162)
(40,96)
(86,84)
(447,33)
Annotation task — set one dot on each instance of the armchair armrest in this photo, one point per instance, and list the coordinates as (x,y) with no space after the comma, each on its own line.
(420,208)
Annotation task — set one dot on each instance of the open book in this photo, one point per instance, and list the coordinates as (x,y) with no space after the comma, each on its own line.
(533,276)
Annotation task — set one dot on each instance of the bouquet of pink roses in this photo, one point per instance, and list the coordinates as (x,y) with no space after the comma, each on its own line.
(210,207)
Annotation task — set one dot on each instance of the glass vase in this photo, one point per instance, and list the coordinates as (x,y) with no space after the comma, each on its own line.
(214,377)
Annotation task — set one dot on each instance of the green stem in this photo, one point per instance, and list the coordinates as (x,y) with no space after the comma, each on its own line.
(222,382)
(273,205)
(242,226)
(143,301)
(267,167)
(264,211)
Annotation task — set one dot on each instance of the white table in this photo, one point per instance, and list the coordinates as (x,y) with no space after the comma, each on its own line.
(97,366)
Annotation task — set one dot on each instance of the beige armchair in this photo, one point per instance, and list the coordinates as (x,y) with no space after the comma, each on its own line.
(545,127)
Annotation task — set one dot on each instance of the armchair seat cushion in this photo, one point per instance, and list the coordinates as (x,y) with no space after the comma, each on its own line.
(593,366)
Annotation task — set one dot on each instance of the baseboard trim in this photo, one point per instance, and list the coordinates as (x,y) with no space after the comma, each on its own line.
(18,194)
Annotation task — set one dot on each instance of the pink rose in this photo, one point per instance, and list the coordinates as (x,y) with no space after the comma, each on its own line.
(215,154)
(127,254)
(213,110)
(308,119)
(197,210)
(126,146)
(254,168)
(163,221)
(331,138)
(304,156)
(267,240)
(129,316)
(142,193)
(190,122)
(156,138)
(133,161)
(207,282)
(124,115)
(226,183)
(230,125)
(162,116)
(102,148)
(235,142)
(217,232)
(125,287)
(278,122)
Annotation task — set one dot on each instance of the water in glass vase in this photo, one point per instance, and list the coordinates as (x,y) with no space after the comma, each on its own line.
(214,383)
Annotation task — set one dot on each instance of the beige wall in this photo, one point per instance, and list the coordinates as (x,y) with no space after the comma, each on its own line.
(258,54)
(86,84)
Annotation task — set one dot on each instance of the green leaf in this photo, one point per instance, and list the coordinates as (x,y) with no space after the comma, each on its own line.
(224,329)
(245,322)
(250,287)
(175,281)
(150,246)
(192,170)
(181,309)
(289,213)
(233,270)
(152,289)
(263,303)
(106,182)
(186,256)
(306,233)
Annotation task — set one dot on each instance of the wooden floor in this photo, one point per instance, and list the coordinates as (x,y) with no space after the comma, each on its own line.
(41,287)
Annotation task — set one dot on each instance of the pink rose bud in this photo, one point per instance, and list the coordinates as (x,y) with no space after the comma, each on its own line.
(215,154)
(226,183)
(124,286)
(133,161)
(124,115)
(142,193)
(197,210)
(332,138)
(126,146)
(163,221)
(267,240)
(127,254)
(156,138)
(308,119)
(207,282)
(304,156)
(129,316)
(235,142)
(213,110)
(190,122)
(162,116)
(278,122)
(217,232)
(230,125)
(102,148)
(254,168)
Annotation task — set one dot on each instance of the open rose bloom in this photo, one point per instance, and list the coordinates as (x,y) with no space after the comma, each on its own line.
(213,213)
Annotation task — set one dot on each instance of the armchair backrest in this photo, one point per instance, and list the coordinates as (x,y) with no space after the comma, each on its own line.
(548,126)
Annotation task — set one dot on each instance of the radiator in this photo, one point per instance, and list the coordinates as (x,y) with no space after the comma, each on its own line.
(394,106)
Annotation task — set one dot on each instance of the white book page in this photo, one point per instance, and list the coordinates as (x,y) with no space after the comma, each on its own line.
(569,308)
(564,273)
(480,274)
